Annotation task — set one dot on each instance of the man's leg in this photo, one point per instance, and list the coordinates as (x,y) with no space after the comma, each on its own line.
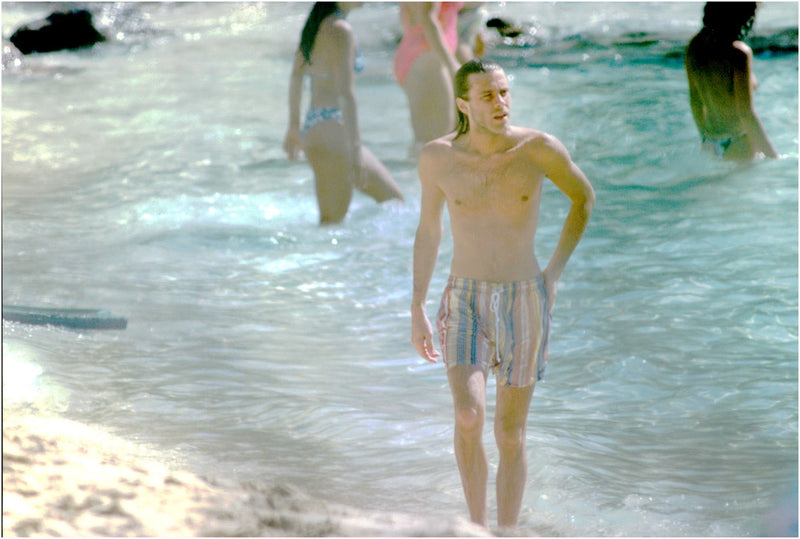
(511,414)
(468,384)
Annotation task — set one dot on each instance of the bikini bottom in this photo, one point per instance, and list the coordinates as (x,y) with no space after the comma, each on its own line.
(720,145)
(316,115)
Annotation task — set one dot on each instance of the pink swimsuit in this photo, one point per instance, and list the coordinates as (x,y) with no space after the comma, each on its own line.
(414,43)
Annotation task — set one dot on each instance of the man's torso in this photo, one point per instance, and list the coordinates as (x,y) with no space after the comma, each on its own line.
(493,202)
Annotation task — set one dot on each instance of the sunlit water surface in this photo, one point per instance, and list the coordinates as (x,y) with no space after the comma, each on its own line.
(146,177)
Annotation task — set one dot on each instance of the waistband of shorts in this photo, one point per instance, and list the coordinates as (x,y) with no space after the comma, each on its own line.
(462,283)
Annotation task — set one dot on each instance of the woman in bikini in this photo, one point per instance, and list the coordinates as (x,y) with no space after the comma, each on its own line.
(425,65)
(329,136)
(721,83)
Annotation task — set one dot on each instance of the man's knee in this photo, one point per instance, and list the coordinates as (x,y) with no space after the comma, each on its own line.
(510,437)
(469,421)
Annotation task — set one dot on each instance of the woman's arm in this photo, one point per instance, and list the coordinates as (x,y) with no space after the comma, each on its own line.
(743,98)
(291,143)
(427,14)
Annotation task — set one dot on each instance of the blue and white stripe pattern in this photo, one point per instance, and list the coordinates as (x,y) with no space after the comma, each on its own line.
(505,326)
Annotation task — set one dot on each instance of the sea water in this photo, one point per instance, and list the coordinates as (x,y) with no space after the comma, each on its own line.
(146,176)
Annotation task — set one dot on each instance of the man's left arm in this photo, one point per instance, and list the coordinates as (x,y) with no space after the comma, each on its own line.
(571,181)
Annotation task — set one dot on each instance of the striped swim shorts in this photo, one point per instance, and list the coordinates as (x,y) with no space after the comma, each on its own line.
(505,326)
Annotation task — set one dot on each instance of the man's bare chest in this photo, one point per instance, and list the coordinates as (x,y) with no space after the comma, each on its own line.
(476,187)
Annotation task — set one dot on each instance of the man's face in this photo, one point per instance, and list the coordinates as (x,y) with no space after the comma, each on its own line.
(489,103)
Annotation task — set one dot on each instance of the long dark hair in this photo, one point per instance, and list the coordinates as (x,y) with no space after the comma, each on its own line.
(732,20)
(319,12)
(461,87)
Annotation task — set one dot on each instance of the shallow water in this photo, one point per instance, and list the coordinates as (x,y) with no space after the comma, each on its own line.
(146,177)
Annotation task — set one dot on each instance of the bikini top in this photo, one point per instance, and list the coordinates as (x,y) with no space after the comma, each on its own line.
(359,63)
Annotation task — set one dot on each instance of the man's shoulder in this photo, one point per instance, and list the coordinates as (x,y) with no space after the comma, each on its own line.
(437,148)
(440,143)
(528,134)
(534,139)
(542,149)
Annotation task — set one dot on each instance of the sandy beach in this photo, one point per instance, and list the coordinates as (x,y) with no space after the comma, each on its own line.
(62,478)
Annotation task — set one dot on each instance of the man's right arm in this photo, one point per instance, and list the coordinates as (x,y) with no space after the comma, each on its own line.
(426,251)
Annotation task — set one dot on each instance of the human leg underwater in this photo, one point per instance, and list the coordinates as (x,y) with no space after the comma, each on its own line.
(326,151)
(510,422)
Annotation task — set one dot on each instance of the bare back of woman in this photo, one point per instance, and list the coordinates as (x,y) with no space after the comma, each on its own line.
(721,84)
(330,136)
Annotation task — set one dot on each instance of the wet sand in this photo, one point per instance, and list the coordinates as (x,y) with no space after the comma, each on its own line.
(62,478)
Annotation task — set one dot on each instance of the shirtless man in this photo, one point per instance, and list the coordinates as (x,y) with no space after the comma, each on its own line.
(721,83)
(496,306)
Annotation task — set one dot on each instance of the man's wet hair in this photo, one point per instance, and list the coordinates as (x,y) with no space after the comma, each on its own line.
(461,87)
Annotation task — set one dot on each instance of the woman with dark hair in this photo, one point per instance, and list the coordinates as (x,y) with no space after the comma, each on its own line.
(721,83)
(329,136)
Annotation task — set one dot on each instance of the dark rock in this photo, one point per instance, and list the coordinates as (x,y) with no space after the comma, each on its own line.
(503,27)
(59,31)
